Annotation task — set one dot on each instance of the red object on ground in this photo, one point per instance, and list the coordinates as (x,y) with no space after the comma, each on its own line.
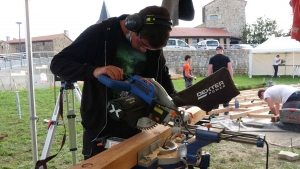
(295,32)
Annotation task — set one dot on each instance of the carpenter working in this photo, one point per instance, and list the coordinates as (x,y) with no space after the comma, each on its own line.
(280,94)
(118,47)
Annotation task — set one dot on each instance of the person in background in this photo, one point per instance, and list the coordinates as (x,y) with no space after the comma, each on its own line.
(280,94)
(217,62)
(187,72)
(118,47)
(275,65)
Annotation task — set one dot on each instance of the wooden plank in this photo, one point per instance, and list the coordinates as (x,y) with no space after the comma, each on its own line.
(259,110)
(240,109)
(255,115)
(197,114)
(254,110)
(238,115)
(257,103)
(124,155)
(218,111)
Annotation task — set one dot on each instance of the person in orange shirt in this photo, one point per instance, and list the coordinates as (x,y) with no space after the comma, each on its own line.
(295,34)
(187,72)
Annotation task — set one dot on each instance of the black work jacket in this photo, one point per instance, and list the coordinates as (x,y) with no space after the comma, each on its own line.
(96,47)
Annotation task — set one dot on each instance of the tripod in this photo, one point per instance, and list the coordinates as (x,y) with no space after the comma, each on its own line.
(65,86)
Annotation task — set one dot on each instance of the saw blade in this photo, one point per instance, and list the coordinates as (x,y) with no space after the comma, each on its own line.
(145,123)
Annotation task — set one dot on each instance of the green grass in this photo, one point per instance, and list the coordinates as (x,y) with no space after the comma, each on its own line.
(15,149)
(244,82)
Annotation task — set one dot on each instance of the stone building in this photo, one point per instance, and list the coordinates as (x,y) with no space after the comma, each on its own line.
(226,14)
(42,44)
(223,20)
(2,46)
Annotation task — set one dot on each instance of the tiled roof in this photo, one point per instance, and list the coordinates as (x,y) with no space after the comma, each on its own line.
(40,38)
(198,32)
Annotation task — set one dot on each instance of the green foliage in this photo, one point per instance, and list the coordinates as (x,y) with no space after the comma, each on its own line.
(261,30)
(15,149)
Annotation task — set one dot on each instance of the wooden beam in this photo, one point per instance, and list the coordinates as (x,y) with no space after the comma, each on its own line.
(218,111)
(257,103)
(197,114)
(124,154)
(254,110)
(255,115)
(238,115)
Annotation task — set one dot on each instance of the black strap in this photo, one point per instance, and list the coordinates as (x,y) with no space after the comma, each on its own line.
(43,162)
(294,97)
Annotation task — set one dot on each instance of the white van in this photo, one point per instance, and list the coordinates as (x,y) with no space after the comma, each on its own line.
(207,45)
(177,44)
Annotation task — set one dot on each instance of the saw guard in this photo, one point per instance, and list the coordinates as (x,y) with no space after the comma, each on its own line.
(145,123)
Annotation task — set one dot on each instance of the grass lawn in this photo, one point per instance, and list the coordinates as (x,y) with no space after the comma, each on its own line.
(15,146)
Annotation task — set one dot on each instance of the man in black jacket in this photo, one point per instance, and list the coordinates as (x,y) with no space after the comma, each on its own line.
(217,62)
(118,47)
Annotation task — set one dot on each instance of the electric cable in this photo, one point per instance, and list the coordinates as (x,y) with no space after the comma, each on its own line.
(267,155)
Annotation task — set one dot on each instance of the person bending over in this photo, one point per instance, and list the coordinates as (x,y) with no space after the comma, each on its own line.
(280,94)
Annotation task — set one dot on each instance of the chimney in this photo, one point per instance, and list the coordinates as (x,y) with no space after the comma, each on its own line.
(66,33)
(7,38)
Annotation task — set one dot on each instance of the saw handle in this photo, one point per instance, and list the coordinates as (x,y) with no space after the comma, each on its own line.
(114,84)
(136,85)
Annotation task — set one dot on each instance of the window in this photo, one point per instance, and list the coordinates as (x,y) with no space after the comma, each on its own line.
(212,43)
(171,43)
(195,41)
(181,43)
(213,17)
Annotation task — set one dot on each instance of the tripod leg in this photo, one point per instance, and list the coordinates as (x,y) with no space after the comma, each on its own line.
(51,129)
(72,126)
(77,92)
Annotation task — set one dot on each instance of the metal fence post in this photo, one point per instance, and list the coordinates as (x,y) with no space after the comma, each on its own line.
(18,104)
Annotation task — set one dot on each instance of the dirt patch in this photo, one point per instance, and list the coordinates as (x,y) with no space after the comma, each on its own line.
(2,136)
(176,76)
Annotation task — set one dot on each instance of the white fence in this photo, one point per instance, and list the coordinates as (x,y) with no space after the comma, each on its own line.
(18,60)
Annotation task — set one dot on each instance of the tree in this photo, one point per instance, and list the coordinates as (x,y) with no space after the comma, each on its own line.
(261,30)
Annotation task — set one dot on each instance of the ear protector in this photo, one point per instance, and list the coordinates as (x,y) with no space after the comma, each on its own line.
(135,22)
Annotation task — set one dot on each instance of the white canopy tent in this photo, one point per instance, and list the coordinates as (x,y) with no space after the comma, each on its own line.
(261,58)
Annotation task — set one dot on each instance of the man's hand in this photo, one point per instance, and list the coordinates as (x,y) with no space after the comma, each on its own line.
(271,105)
(113,72)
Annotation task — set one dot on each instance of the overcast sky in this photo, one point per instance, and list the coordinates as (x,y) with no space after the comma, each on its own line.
(49,17)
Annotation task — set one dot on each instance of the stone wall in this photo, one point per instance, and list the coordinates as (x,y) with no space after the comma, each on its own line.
(200,60)
(60,43)
(231,15)
(175,60)
(56,45)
